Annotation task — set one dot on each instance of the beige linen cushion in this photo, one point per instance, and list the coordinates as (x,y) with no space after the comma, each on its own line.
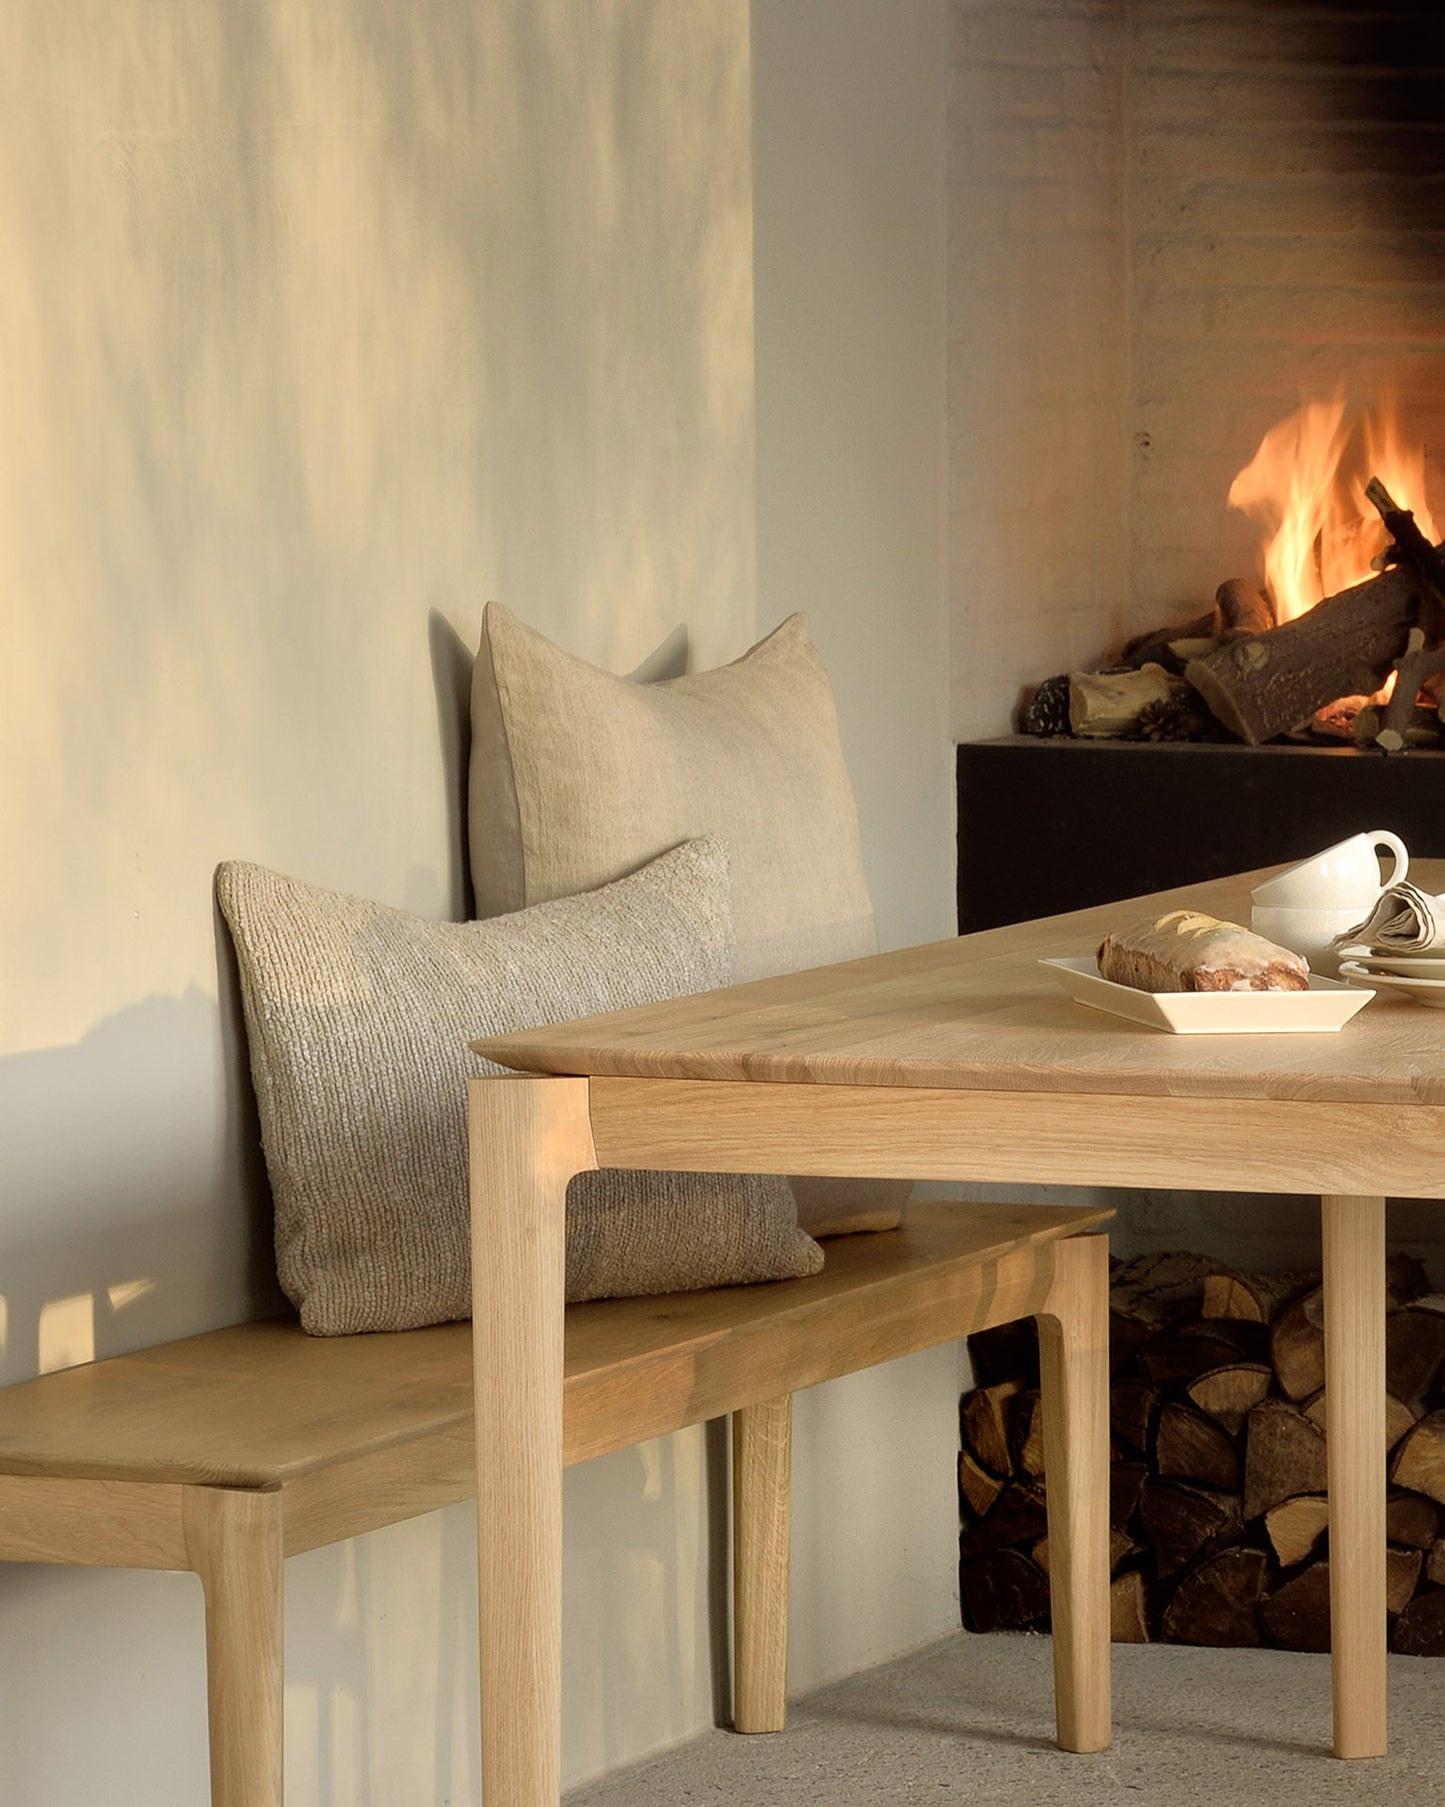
(579,776)
(358,1018)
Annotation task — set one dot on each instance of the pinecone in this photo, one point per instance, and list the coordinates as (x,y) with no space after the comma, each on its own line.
(1172,719)
(1048,712)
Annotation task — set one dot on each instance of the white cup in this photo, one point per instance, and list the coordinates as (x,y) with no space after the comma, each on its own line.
(1343,877)
(1306,932)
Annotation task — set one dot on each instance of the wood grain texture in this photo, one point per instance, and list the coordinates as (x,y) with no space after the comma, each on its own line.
(637,1368)
(110,1524)
(978,1013)
(249,1406)
(528,1138)
(1354,1265)
(390,1435)
(1074,1378)
(235,1543)
(762,1472)
(1203,1143)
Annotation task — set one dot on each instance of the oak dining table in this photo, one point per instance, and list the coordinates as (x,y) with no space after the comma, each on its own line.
(961,1060)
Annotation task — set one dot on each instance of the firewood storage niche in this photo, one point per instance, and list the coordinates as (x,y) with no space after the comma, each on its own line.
(1219,1516)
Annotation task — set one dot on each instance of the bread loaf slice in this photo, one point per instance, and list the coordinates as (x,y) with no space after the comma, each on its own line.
(1188,951)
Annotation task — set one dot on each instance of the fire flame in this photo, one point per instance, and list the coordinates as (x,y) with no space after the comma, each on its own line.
(1306,485)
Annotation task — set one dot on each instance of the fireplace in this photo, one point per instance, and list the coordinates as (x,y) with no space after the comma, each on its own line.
(1173,228)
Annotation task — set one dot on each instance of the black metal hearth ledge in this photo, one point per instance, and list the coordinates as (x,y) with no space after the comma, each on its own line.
(1046,825)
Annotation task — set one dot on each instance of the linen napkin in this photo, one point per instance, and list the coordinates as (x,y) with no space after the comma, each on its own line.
(1405,919)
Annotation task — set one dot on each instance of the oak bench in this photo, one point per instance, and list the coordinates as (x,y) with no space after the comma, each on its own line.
(224,1453)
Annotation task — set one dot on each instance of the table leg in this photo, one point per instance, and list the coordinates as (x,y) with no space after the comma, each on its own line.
(1354,1277)
(528,1137)
(1074,1356)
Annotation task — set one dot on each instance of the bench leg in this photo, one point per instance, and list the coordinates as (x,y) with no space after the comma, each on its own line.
(1074,1350)
(762,1475)
(528,1138)
(234,1543)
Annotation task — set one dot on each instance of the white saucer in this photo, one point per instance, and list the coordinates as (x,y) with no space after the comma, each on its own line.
(1430,992)
(1421,966)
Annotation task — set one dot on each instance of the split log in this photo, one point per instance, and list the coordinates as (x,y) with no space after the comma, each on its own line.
(1297,1615)
(1185,1356)
(1402,1577)
(1295,1526)
(1253,1298)
(1297,1345)
(1419,1462)
(1002,1591)
(1026,1433)
(1229,1394)
(1121,1547)
(1217,1603)
(1191,1447)
(1159,1290)
(1133,1405)
(1183,1522)
(1412,1520)
(1006,1352)
(978,1488)
(1420,1629)
(1284,1454)
(1435,1564)
(1414,1346)
(1017,1516)
(985,1424)
(1126,1482)
(1128,1622)
(1407,1282)
(1270,683)
(1399,1417)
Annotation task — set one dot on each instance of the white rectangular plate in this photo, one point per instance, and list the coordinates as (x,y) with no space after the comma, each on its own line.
(1327,1005)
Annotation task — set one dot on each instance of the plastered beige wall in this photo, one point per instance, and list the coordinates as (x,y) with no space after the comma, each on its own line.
(320,322)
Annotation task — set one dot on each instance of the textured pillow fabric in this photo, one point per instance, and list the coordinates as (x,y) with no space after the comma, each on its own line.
(579,776)
(358,1017)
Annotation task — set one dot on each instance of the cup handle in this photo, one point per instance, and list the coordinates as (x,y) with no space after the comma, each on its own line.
(1381,837)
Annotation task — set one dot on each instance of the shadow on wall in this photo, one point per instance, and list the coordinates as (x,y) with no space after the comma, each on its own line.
(451,667)
(136,1209)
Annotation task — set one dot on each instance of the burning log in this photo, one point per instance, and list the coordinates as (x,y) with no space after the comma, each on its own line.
(1242,608)
(1412,548)
(1267,684)
(1415,667)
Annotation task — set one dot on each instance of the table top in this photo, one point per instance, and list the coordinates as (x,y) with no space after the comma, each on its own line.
(977,1012)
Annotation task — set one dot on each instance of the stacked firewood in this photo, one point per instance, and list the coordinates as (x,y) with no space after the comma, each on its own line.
(1218,1507)
(1234,672)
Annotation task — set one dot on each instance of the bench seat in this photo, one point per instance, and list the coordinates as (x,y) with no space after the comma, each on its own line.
(226,1452)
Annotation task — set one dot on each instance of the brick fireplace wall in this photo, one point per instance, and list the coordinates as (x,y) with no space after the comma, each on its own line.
(1169,225)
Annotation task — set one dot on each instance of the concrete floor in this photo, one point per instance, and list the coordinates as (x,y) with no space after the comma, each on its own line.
(969,1720)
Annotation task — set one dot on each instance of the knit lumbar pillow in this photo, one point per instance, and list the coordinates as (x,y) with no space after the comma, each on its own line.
(358,1018)
(578,777)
